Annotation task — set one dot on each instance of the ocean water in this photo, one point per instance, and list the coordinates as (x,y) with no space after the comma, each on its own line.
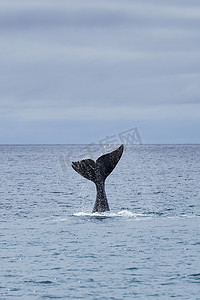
(146,247)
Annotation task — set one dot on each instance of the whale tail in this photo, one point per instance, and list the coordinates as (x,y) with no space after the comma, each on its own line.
(98,171)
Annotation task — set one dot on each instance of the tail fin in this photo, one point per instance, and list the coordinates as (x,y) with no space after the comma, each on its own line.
(86,168)
(99,170)
(106,163)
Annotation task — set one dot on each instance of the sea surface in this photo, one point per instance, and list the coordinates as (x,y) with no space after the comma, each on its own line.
(53,247)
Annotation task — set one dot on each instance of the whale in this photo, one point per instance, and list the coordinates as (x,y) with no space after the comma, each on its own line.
(97,171)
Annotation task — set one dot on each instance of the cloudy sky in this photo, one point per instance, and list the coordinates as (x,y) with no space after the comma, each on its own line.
(78,71)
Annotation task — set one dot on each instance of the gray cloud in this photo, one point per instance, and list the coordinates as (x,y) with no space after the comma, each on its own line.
(99,59)
(98,14)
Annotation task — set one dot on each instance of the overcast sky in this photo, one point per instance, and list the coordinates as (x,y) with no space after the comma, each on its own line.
(78,71)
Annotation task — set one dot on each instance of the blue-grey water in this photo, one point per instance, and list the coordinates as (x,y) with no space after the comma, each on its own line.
(147,246)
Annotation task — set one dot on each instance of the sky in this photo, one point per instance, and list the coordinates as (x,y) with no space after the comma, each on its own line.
(79,71)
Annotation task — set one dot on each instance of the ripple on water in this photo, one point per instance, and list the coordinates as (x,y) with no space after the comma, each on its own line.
(43,282)
(141,249)
(195,278)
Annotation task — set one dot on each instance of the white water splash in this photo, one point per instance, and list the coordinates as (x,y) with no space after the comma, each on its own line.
(122,213)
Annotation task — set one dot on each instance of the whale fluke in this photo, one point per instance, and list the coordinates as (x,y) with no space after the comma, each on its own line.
(98,172)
